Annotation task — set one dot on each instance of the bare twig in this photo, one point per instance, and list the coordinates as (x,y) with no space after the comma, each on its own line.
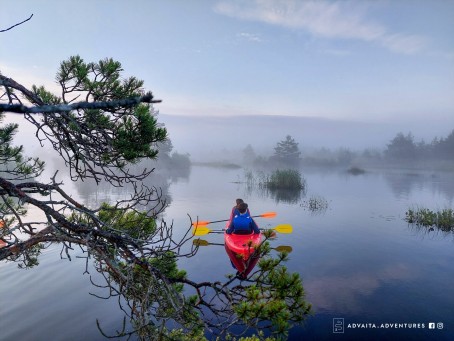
(9,28)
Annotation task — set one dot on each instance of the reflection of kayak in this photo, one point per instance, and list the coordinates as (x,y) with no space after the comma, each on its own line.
(2,243)
(240,249)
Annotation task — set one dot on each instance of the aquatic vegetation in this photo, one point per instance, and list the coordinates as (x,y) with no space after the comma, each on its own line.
(285,179)
(443,219)
(356,171)
(315,204)
(282,185)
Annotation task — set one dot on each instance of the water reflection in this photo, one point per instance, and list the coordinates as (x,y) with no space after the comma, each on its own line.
(431,232)
(349,292)
(93,194)
(242,265)
(279,195)
(404,183)
(245,261)
(288,196)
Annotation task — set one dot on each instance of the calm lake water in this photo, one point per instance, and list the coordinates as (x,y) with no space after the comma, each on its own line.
(359,260)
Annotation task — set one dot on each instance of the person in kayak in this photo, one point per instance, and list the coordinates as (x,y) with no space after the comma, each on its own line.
(242,223)
(235,209)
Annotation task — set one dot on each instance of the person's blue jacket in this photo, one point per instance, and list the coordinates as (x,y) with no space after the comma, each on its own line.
(236,211)
(242,224)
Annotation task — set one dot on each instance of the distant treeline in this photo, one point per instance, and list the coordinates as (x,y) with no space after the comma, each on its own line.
(402,150)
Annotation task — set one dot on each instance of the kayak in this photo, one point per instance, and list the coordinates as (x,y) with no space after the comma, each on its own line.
(240,248)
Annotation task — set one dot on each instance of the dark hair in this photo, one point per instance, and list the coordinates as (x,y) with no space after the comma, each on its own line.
(242,207)
(239,201)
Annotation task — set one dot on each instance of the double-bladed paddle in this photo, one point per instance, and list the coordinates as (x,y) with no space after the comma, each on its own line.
(203,230)
(202,242)
(263,215)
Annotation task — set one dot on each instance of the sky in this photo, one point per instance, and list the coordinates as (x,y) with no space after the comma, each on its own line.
(379,61)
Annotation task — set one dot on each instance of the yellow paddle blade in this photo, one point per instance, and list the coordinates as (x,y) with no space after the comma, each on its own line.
(284,248)
(200,242)
(268,215)
(200,223)
(201,231)
(283,228)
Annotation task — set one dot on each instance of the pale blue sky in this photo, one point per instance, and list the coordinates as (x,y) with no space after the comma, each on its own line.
(361,60)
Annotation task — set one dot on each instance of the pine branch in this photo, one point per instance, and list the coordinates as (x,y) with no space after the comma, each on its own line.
(108,105)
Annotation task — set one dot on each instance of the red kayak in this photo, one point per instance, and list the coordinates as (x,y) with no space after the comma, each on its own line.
(240,248)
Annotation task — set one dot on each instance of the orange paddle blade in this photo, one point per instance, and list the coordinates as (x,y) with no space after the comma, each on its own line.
(268,215)
(200,223)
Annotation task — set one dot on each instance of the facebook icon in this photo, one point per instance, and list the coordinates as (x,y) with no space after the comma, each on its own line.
(338,325)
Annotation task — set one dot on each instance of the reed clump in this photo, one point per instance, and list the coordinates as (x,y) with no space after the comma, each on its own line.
(289,179)
(315,204)
(443,219)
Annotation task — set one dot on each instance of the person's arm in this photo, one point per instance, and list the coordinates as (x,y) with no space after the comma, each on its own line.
(232,214)
(230,228)
(255,227)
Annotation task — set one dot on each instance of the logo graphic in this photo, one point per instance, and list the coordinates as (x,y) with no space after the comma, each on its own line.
(338,325)
(431,325)
(440,325)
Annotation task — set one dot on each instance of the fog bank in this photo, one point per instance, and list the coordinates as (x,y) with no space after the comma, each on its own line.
(207,137)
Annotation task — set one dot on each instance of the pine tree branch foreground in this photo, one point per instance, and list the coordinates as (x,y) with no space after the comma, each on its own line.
(101,125)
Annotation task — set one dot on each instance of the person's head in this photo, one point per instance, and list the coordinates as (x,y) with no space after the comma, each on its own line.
(238,202)
(242,207)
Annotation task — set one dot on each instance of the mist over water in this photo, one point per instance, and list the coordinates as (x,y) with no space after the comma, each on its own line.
(217,137)
(222,138)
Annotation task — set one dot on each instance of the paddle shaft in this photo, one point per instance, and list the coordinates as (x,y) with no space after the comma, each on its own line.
(223,230)
(221,221)
(202,242)
(263,215)
(202,230)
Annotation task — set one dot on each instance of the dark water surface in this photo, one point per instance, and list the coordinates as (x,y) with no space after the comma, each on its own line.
(359,260)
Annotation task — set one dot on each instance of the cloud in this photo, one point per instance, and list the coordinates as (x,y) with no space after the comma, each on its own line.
(337,52)
(326,19)
(250,37)
(401,43)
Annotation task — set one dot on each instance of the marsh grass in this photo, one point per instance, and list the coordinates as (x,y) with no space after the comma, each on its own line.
(315,204)
(282,185)
(287,179)
(443,219)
